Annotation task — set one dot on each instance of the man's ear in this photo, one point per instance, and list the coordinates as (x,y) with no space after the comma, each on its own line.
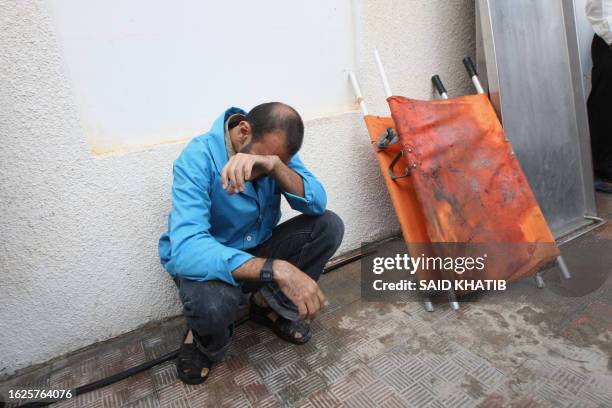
(244,132)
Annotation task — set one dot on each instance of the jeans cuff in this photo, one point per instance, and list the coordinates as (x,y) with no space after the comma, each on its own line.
(213,355)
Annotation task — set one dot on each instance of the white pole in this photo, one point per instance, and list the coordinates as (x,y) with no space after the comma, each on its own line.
(477,84)
(563,267)
(357,91)
(471,69)
(383,76)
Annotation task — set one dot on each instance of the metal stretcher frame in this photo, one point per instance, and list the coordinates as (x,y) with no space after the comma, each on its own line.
(391,181)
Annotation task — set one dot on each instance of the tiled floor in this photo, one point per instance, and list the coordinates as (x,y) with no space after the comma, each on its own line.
(525,347)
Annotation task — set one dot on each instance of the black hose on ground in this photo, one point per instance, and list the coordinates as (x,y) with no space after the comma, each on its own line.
(108,380)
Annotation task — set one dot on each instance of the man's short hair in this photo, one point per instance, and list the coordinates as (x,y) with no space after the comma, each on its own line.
(276,116)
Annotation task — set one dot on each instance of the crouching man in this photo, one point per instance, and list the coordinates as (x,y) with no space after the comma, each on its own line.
(223,242)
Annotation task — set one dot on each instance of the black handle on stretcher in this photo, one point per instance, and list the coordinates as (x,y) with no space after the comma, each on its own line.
(471,70)
(469,66)
(437,83)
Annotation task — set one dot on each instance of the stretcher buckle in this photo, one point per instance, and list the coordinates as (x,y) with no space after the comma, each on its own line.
(393,163)
(388,138)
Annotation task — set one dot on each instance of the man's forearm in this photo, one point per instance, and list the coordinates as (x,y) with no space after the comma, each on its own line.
(289,180)
(249,270)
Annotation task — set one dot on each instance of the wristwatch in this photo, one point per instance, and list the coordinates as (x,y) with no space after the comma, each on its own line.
(266,274)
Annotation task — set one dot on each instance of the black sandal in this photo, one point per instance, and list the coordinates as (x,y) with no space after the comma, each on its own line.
(293,331)
(191,363)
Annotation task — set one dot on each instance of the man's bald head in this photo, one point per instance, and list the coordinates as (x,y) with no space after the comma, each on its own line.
(280,119)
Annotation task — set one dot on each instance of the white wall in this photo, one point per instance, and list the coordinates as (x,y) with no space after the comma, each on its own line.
(78,233)
(158,71)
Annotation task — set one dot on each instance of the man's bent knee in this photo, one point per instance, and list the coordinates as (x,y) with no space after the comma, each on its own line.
(330,228)
(209,306)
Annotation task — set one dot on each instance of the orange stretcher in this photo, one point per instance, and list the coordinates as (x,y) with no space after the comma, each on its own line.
(453,178)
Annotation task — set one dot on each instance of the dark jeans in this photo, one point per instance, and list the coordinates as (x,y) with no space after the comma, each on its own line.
(600,108)
(211,307)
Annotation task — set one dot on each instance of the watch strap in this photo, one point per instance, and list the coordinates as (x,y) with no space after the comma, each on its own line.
(266,274)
